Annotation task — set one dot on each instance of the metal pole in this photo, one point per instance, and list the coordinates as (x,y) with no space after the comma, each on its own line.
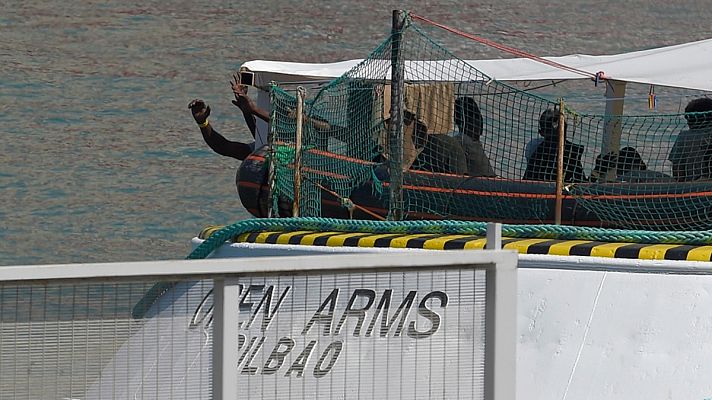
(500,322)
(395,133)
(226,297)
(494,236)
(301,93)
(560,165)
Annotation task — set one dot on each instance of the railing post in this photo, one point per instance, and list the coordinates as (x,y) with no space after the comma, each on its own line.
(395,132)
(501,317)
(494,236)
(226,296)
(301,93)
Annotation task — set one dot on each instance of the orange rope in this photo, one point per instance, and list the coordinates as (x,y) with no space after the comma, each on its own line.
(508,49)
(364,209)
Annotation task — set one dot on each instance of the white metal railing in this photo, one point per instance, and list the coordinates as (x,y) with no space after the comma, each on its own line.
(324,326)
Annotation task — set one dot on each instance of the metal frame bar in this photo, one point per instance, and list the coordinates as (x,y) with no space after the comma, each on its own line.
(500,313)
(500,344)
(212,268)
(225,329)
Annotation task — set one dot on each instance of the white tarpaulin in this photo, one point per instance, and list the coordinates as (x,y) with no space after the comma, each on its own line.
(684,65)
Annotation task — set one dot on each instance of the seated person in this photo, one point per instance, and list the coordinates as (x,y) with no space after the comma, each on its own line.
(468,120)
(414,135)
(629,160)
(531,147)
(425,152)
(542,165)
(690,155)
(629,166)
(442,154)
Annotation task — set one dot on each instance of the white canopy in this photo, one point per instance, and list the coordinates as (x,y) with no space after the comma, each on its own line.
(687,65)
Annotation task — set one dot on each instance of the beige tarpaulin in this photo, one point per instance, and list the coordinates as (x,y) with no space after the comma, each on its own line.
(410,152)
(432,104)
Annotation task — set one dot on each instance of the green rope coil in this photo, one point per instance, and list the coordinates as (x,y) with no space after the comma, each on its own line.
(560,232)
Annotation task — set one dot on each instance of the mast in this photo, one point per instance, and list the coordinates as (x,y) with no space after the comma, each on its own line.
(560,165)
(395,133)
(301,93)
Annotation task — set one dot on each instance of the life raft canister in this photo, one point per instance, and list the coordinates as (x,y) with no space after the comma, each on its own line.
(252,181)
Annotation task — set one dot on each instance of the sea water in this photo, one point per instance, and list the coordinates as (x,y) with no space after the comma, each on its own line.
(100,159)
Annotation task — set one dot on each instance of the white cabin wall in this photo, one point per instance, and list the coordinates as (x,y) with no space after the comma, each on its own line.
(644,336)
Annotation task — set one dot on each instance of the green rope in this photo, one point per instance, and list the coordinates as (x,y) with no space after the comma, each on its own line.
(560,232)
(554,232)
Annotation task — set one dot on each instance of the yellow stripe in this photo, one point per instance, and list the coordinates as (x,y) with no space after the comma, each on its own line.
(523,245)
(564,248)
(262,237)
(243,237)
(370,241)
(477,244)
(308,240)
(655,251)
(401,242)
(284,238)
(338,240)
(606,250)
(702,253)
(650,252)
(439,243)
(209,230)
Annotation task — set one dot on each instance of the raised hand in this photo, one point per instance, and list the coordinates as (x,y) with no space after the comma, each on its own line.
(200,110)
(245,103)
(242,100)
(238,89)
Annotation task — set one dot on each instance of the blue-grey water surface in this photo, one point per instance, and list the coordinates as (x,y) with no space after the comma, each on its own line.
(100,158)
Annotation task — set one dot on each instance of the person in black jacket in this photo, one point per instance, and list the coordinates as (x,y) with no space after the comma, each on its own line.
(629,167)
(691,154)
(542,165)
(217,142)
(468,119)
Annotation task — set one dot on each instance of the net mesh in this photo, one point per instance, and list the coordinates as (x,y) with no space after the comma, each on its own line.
(479,149)
(80,341)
